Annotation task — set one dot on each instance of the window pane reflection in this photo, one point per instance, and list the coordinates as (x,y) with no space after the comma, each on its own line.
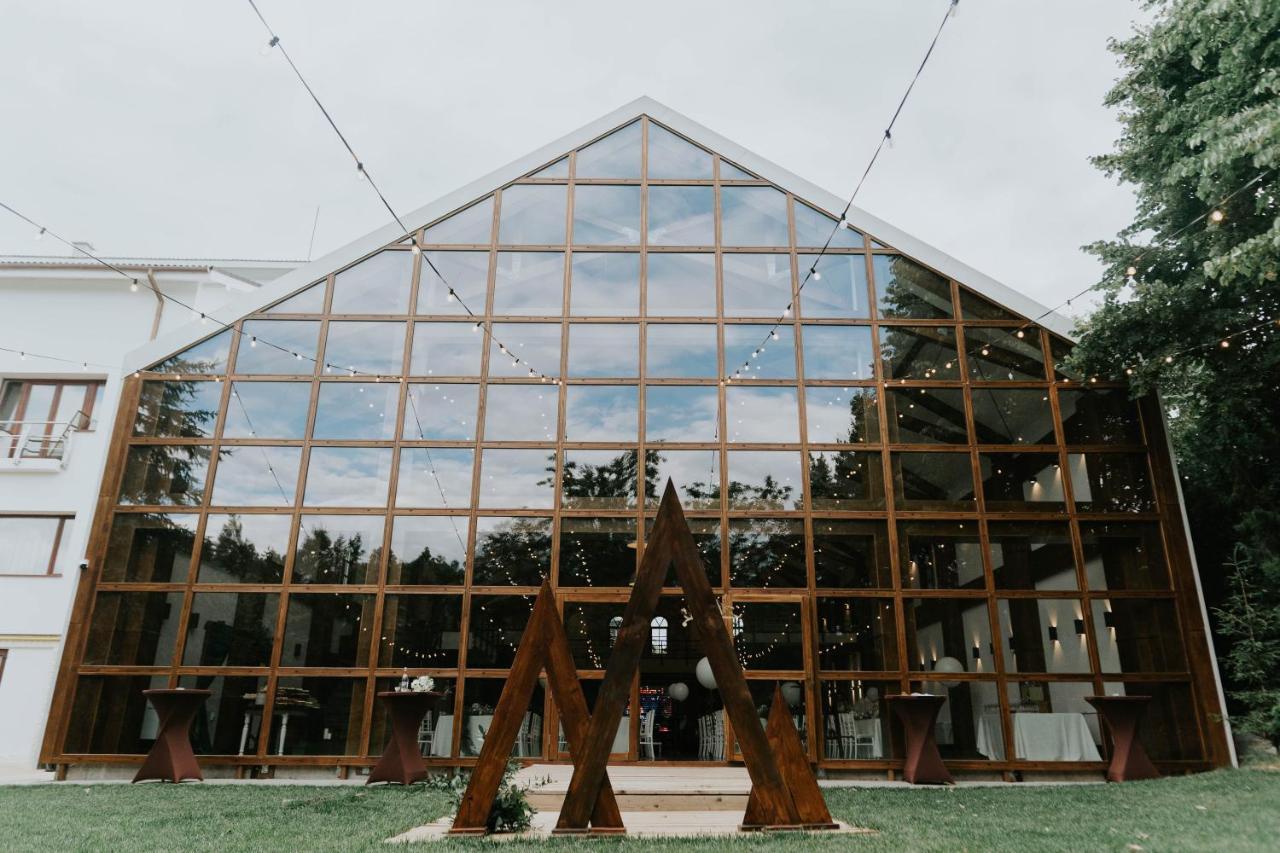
(427,550)
(777,361)
(1111,482)
(999,354)
(845,480)
(771,636)
(338,549)
(1043,635)
(615,156)
(357,410)
(466,272)
(606,216)
(291,336)
(599,479)
(838,290)
(671,157)
(348,476)
(445,349)
(838,352)
(441,412)
(133,628)
(762,415)
(681,413)
(926,416)
(207,357)
(327,716)
(267,410)
(162,474)
(420,631)
(857,718)
(1138,635)
(678,351)
(1123,556)
(366,347)
(179,409)
(517,479)
(533,216)
(816,229)
(756,285)
(434,477)
(605,284)
(1032,555)
(244,548)
(846,415)
(601,413)
(604,349)
(469,226)
(597,551)
(378,285)
(682,216)
(479,697)
(753,216)
(150,548)
(939,628)
(933,481)
(906,290)
(521,412)
(680,285)
(512,551)
(767,553)
(941,555)
(529,283)
(324,629)
(256,476)
(1021,482)
(535,344)
(851,555)
(968,727)
(764,479)
(1099,417)
(695,474)
(857,634)
(497,625)
(919,352)
(231,629)
(1020,416)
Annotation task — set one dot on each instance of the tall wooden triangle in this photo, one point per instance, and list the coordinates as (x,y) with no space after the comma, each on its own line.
(789,752)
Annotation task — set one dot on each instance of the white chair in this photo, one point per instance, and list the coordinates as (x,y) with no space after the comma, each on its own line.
(649,748)
(717,735)
(426,733)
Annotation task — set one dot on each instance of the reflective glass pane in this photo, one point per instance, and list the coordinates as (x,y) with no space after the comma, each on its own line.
(535,344)
(177,409)
(348,476)
(857,634)
(597,551)
(268,410)
(1123,556)
(756,285)
(466,272)
(256,476)
(512,551)
(497,625)
(1053,722)
(940,555)
(441,412)
(294,336)
(919,352)
(338,549)
(466,227)
(682,216)
(558,169)
(221,723)
(599,479)
(604,349)
(838,352)
(999,354)
(445,349)
(759,414)
(327,718)
(706,536)
(480,696)
(1043,635)
(851,555)
(845,480)
(605,284)
(377,285)
(420,631)
(592,629)
(615,156)
(163,474)
(857,719)
(133,628)
(1032,555)
(1013,416)
(969,727)
(363,410)
(366,347)
(776,361)
(695,474)
(601,413)
(231,629)
(606,216)
(974,307)
(324,629)
(517,479)
(680,413)
(1099,417)
(815,229)
(764,479)
(427,550)
(672,158)
(940,628)
(680,285)
(1111,482)
(207,357)
(1138,635)
(435,477)
(521,412)
(940,481)
(906,290)
(244,548)
(533,216)
(529,283)
(846,415)
(838,290)
(678,351)
(926,416)
(753,216)
(149,548)
(730,172)
(769,636)
(1167,732)
(1022,482)
(130,730)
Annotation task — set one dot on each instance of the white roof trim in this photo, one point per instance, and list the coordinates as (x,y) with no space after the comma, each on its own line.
(249,303)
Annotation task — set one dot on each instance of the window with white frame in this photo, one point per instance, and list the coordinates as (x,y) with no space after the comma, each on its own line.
(29,543)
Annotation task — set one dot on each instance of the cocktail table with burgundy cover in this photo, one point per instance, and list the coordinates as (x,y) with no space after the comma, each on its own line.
(401,762)
(918,713)
(1122,714)
(171,758)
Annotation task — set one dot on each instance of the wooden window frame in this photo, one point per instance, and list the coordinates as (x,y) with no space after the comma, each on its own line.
(58,536)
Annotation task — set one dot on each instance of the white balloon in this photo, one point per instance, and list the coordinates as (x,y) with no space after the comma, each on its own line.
(791,692)
(948,664)
(705,676)
(678,691)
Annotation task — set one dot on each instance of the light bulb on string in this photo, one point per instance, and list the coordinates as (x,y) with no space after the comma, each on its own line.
(133,286)
(1216,215)
(265,50)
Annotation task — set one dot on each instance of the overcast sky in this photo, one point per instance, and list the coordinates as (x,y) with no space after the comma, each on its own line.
(159,129)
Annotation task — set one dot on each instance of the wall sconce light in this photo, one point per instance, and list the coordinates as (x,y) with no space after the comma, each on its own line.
(1108,618)
(1053,633)
(1080,627)
(977,652)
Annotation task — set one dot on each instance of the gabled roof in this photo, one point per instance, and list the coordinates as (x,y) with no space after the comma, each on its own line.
(390,233)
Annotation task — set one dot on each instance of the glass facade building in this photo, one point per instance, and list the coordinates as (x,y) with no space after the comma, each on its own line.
(900,488)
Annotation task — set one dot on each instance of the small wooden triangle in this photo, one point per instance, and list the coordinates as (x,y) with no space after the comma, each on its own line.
(796,773)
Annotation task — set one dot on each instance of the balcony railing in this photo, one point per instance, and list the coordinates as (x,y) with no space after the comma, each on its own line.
(41,445)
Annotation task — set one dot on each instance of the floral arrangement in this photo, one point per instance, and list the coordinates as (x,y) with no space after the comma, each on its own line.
(422,684)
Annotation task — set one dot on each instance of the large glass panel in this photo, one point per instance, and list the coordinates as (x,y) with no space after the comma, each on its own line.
(968,727)
(730,172)
(244,548)
(856,719)
(133,628)
(695,474)
(268,410)
(441,412)
(207,357)
(767,553)
(533,216)
(1032,555)
(427,550)
(325,629)
(919,352)
(219,725)
(678,351)
(845,480)
(680,413)
(1043,635)
(518,479)
(764,479)
(680,285)
(753,216)
(847,415)
(776,361)
(838,352)
(325,715)
(163,474)
(420,631)
(466,272)
(512,551)
(615,156)
(521,412)
(592,630)
(1099,417)
(926,416)
(529,283)
(851,554)
(601,413)
(357,410)
(292,347)
(606,216)
(794,693)
(479,697)
(933,481)
(974,307)
(537,345)
(178,409)
(1123,556)
(599,479)
(256,476)
(365,347)
(769,635)
(941,555)
(149,548)
(839,287)
(1111,482)
(497,624)
(816,229)
(348,476)
(467,227)
(445,349)
(682,216)
(672,158)
(434,477)
(1060,350)
(706,536)
(999,354)
(604,349)
(1168,732)
(597,551)
(130,728)
(1022,482)
(857,634)
(231,629)
(377,285)
(558,169)
(906,290)
(605,284)
(1138,635)
(758,414)
(941,628)
(338,549)
(756,285)
(1012,416)
(1053,722)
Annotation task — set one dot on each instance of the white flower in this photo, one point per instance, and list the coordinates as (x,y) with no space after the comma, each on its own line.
(422,684)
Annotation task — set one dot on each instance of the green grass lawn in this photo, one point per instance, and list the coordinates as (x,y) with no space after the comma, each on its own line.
(1224,810)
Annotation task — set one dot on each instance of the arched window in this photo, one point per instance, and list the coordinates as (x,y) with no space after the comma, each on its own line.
(615,622)
(658,634)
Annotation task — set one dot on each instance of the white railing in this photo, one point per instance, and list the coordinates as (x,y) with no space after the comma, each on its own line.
(22,441)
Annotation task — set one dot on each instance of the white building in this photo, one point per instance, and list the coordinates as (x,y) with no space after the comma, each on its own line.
(55,418)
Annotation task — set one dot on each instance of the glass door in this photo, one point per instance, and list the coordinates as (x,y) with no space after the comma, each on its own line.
(771,633)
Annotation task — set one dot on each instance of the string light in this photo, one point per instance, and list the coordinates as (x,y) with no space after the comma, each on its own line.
(1216,216)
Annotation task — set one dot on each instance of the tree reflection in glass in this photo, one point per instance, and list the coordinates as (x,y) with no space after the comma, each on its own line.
(512,551)
(600,479)
(597,551)
(846,415)
(427,549)
(171,475)
(767,553)
(845,480)
(919,352)
(338,549)
(764,479)
(244,548)
(695,474)
(906,290)
(180,409)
